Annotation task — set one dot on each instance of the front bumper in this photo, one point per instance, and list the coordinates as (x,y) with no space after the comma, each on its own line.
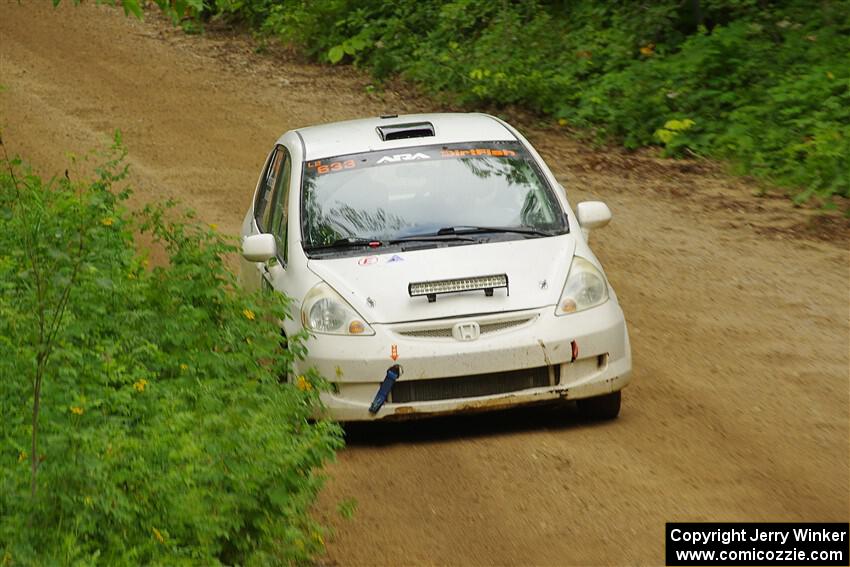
(533,339)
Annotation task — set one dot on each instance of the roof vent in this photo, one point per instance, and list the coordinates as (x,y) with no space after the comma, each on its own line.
(404,131)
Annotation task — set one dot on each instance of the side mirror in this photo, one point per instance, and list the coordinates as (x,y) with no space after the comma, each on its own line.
(593,214)
(259,247)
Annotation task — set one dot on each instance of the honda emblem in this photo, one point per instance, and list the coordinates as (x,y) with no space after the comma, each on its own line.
(466,331)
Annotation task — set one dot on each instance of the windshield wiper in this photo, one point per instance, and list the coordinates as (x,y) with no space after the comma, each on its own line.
(445,234)
(430,237)
(347,242)
(454,233)
(494,229)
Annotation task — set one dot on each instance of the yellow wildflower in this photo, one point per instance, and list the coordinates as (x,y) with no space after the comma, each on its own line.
(76,410)
(249,314)
(562,121)
(214,226)
(106,221)
(647,49)
(140,385)
(184,367)
(302,384)
(158,535)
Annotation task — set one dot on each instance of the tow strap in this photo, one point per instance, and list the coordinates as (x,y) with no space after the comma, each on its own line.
(393,372)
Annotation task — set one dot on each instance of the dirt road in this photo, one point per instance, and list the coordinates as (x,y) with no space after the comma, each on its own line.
(737,305)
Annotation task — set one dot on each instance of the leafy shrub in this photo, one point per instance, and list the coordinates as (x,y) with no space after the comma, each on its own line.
(164,434)
(766,84)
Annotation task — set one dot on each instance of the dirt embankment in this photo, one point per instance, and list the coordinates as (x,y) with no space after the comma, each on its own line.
(737,305)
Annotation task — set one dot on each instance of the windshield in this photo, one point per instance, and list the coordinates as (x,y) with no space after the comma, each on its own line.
(432,190)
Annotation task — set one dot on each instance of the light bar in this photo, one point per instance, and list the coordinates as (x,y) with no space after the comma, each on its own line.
(432,288)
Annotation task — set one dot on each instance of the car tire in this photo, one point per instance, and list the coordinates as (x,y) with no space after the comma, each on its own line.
(600,407)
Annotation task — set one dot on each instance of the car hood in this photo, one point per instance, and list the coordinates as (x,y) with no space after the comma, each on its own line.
(377,285)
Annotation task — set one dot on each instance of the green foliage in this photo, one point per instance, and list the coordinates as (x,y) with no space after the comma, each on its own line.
(165,435)
(667,134)
(766,84)
(177,10)
(347,508)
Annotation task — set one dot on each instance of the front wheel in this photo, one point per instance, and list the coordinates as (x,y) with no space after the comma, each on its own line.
(600,407)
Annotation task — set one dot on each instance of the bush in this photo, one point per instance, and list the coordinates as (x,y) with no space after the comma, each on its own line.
(164,434)
(765,84)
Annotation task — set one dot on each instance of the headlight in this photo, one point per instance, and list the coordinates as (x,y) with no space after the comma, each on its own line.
(324,311)
(585,288)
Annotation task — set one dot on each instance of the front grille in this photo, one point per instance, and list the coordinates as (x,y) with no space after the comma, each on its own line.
(487,328)
(446,332)
(474,386)
(442,333)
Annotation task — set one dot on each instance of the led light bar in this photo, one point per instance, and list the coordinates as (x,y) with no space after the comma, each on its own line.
(432,288)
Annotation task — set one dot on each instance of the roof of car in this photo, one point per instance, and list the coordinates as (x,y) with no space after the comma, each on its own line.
(355,136)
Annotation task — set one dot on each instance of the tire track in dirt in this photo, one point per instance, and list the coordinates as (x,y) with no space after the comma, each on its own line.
(737,306)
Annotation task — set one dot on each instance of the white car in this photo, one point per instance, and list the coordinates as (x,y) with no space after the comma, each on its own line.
(438,267)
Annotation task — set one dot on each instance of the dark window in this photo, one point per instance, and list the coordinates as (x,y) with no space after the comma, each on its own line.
(270,176)
(401,193)
(276,220)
